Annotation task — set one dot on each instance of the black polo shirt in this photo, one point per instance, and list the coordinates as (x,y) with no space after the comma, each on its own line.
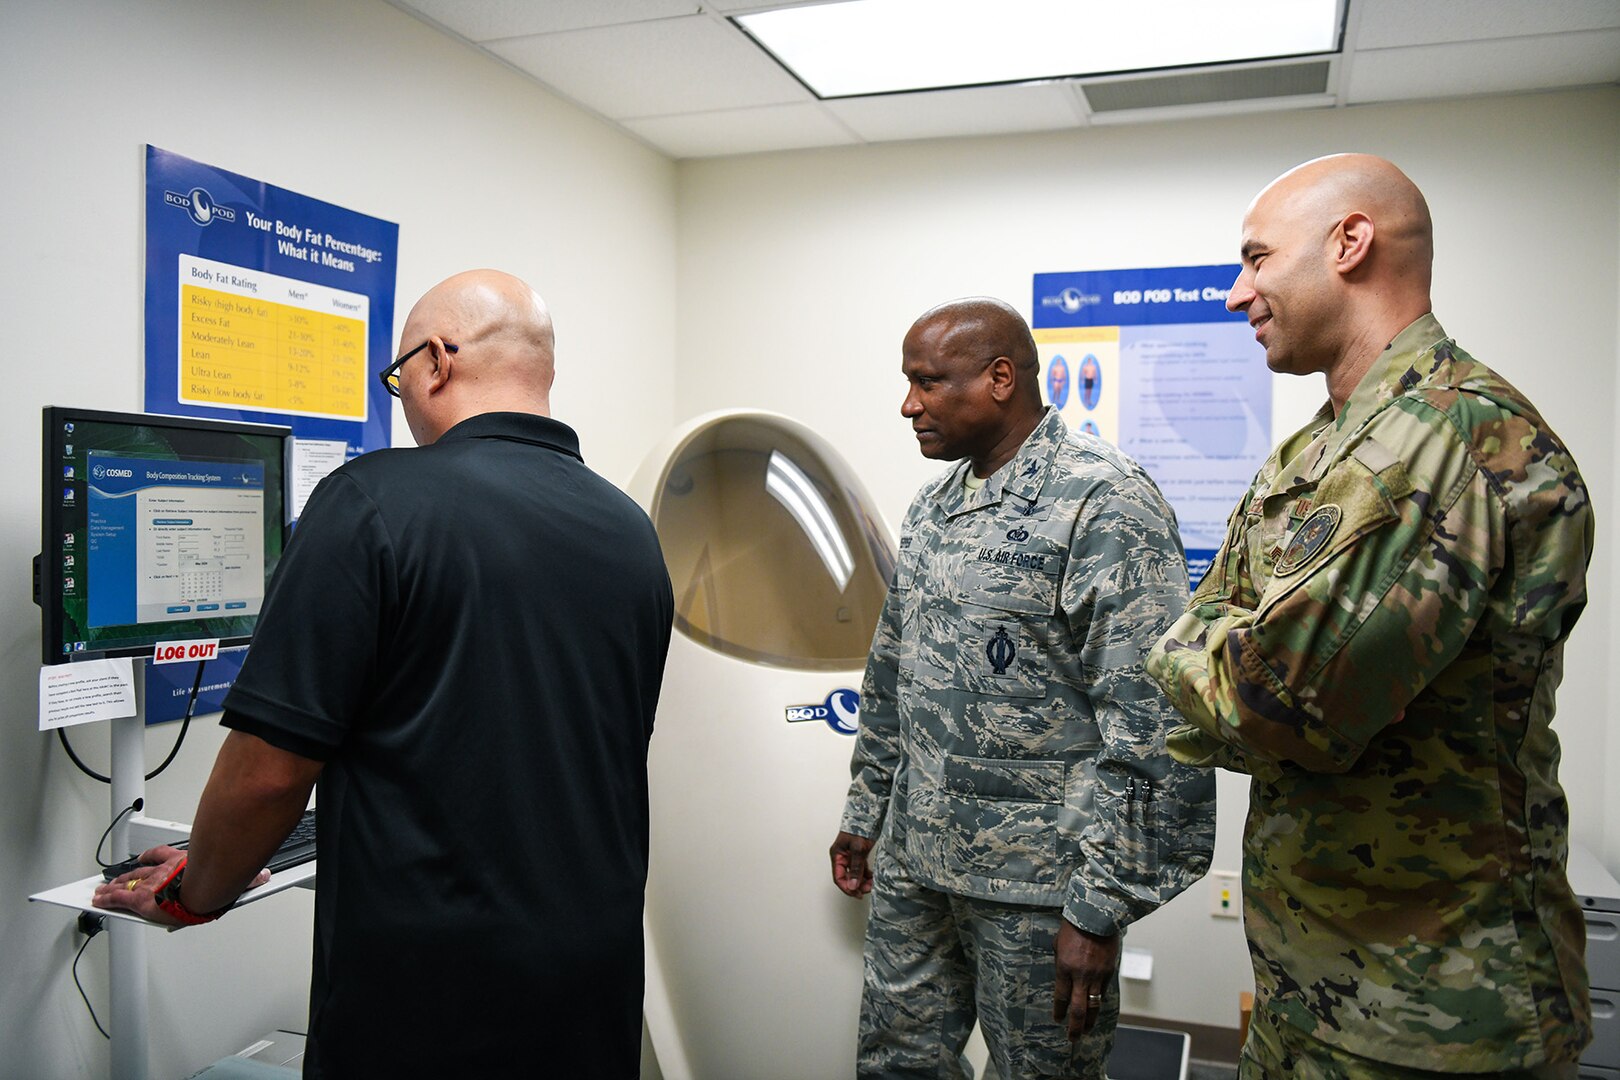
(472,635)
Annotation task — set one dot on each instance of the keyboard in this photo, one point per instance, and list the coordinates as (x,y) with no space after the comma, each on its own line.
(297,849)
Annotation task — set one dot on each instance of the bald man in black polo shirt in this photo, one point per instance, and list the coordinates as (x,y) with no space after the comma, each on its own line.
(464,644)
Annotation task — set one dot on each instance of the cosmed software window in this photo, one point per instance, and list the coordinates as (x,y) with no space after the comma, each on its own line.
(174,540)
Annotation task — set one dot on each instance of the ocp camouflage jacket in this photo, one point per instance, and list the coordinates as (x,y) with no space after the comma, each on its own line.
(1378,643)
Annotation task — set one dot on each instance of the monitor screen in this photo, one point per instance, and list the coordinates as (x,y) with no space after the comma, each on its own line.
(156,528)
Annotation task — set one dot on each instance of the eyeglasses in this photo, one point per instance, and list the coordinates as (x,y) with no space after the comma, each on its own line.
(390,374)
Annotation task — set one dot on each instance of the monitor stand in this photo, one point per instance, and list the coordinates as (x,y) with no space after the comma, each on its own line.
(129,1012)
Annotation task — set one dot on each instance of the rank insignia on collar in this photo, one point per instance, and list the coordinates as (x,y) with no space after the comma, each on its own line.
(1309,539)
(1001,651)
(1029,470)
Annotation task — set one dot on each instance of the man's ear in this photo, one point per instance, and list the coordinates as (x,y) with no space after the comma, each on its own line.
(1352,241)
(443,362)
(1003,379)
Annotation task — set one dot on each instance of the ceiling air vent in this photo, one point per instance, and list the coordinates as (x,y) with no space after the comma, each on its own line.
(1204,87)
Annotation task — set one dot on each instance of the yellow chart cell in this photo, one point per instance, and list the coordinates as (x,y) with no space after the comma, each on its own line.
(244,353)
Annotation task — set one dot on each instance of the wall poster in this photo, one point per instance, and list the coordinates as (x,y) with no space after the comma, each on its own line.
(1152,361)
(270,306)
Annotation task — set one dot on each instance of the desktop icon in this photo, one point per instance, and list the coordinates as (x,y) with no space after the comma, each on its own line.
(67,562)
(78,646)
(67,539)
(67,494)
(67,472)
(68,427)
(68,450)
(67,584)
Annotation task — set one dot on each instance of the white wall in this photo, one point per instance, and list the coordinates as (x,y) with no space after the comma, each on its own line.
(800,272)
(354,103)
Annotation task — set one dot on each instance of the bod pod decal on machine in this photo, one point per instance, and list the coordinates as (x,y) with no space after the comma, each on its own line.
(780,565)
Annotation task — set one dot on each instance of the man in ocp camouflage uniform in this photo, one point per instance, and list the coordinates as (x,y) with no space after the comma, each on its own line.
(1377,644)
(1011,749)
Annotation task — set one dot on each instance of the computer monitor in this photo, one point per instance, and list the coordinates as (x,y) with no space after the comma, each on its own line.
(156,529)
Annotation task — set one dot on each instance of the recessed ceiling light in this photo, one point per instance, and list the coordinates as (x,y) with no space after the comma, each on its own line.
(888,46)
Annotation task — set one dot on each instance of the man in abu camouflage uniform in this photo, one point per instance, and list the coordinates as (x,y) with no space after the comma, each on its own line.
(1011,749)
(1377,645)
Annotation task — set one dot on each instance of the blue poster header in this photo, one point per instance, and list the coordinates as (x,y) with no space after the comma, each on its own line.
(1154,297)
(266,305)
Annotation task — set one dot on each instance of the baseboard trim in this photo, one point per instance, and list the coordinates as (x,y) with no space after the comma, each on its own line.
(1209,1043)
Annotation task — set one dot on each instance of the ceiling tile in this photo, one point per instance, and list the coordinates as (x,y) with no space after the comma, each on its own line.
(1485,67)
(981,110)
(742,131)
(655,68)
(487,20)
(1389,23)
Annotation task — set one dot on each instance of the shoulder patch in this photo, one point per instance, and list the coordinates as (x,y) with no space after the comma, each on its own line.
(1311,536)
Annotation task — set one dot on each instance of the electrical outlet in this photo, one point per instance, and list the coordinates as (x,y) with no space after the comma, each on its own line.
(1224,898)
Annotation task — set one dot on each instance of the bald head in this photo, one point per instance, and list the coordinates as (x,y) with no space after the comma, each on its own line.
(1330,189)
(1337,259)
(495,311)
(490,350)
(983,328)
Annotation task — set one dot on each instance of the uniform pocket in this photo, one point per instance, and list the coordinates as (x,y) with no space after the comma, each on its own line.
(1003,619)
(1136,832)
(905,567)
(1003,817)
(998,657)
(1026,582)
(1351,502)
(1227,571)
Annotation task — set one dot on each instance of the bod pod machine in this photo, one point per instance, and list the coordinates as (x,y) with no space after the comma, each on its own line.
(780,565)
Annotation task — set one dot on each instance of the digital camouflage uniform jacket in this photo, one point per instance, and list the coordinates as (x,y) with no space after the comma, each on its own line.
(1378,643)
(1007,729)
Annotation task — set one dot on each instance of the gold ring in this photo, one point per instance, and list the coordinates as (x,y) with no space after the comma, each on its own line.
(132,883)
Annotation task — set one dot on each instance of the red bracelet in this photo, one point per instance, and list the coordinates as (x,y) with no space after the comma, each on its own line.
(168,900)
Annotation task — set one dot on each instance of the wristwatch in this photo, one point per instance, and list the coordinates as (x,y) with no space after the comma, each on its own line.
(168,900)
